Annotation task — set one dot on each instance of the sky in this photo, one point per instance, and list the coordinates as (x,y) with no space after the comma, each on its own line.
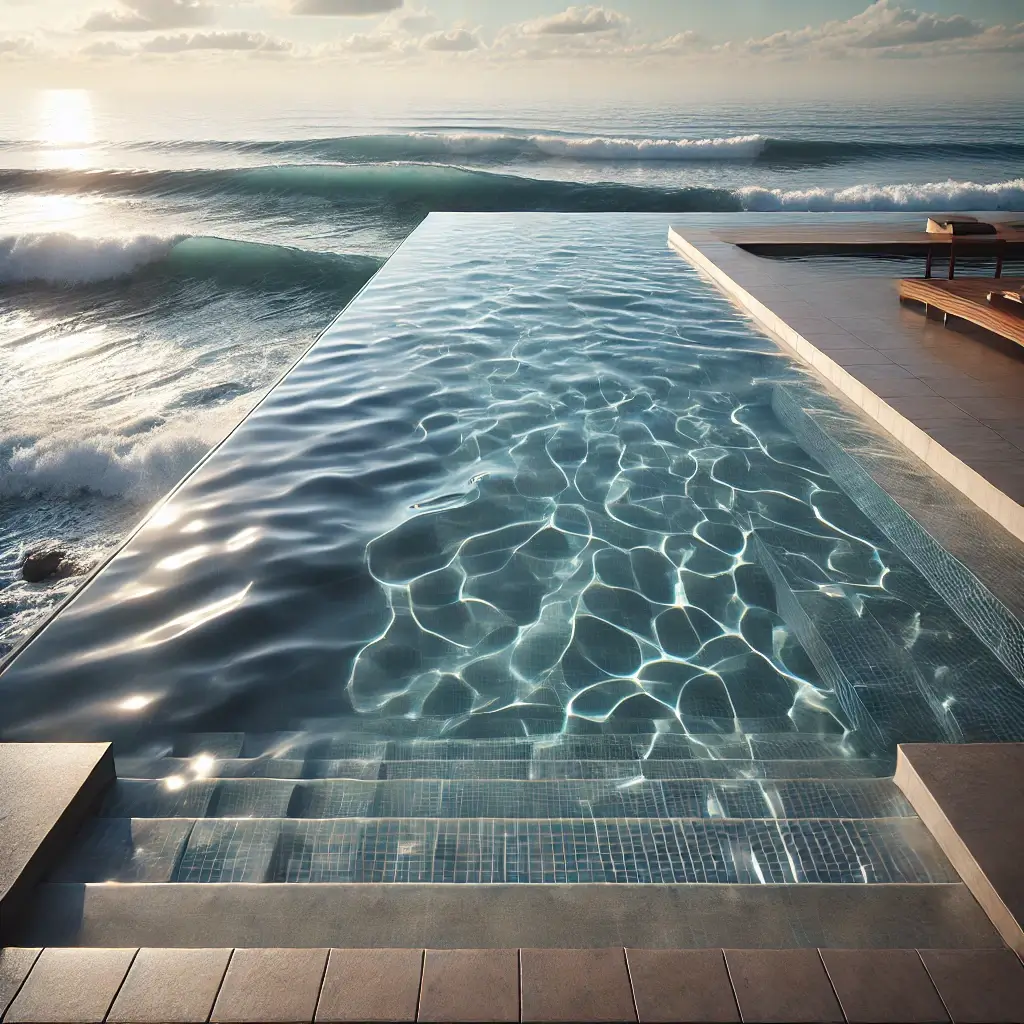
(445,48)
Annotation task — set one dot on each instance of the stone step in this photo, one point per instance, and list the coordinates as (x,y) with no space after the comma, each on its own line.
(652,768)
(637,797)
(406,850)
(757,744)
(362,916)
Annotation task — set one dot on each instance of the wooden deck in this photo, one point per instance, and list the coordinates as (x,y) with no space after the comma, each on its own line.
(967,298)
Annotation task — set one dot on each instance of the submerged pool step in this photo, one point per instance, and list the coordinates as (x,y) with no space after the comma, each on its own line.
(752,745)
(652,768)
(637,797)
(406,850)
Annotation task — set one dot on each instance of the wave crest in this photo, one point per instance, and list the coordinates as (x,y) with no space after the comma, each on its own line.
(598,148)
(944,195)
(140,466)
(407,192)
(66,259)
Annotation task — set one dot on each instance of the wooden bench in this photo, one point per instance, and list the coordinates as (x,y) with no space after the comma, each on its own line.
(968,299)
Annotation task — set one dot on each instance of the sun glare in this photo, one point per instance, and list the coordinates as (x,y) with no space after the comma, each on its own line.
(65,128)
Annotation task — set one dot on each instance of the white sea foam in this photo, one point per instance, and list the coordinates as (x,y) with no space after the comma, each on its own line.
(66,259)
(136,464)
(940,195)
(739,147)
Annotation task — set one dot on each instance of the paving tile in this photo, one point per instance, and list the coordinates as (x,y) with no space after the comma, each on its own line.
(993,411)
(576,985)
(907,388)
(690,986)
(271,985)
(978,986)
(71,986)
(788,986)
(928,410)
(171,986)
(470,985)
(861,357)
(877,986)
(14,967)
(371,984)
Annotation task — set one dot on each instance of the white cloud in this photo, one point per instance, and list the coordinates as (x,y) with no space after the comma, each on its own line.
(575,21)
(344,8)
(408,21)
(230,41)
(17,46)
(884,24)
(458,40)
(151,15)
(107,48)
(678,43)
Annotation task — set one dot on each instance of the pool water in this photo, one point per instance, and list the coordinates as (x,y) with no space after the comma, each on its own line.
(530,482)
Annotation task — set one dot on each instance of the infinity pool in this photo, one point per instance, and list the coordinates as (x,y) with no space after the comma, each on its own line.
(535,480)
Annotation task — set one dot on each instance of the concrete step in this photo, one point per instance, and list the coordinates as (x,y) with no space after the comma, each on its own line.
(652,768)
(637,797)
(749,743)
(362,916)
(504,851)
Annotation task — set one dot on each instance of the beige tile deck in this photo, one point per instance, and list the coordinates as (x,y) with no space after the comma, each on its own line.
(910,373)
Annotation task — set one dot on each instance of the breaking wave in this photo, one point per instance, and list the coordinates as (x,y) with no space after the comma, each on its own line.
(409,191)
(139,465)
(501,146)
(66,259)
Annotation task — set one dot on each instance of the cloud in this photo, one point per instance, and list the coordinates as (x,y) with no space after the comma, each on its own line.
(17,46)
(576,21)
(344,8)
(882,25)
(458,40)
(107,48)
(151,15)
(407,21)
(680,42)
(363,43)
(231,41)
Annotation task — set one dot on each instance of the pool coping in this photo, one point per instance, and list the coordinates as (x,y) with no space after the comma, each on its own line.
(47,790)
(971,798)
(802,322)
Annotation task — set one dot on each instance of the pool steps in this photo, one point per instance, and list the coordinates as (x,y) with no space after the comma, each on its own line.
(996,625)
(664,807)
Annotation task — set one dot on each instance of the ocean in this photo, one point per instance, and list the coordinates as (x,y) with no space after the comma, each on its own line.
(159,273)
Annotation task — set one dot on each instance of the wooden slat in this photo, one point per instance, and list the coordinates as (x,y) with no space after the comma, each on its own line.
(967,298)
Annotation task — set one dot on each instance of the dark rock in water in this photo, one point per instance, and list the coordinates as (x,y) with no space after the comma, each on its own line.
(41,565)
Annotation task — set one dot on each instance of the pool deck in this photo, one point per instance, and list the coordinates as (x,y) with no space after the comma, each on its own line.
(954,398)
(413,984)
